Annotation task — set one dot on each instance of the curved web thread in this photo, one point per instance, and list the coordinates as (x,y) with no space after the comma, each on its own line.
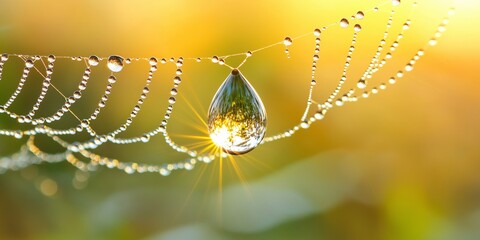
(30,153)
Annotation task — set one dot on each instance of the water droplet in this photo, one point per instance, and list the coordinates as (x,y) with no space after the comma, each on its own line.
(319,115)
(442,28)
(361,84)
(153,61)
(409,67)
(29,63)
(18,134)
(287,41)
(344,23)
(357,28)
(4,57)
(51,58)
(177,80)
(115,63)
(164,172)
(339,102)
(215,59)
(145,138)
(360,15)
(112,79)
(317,32)
(396,2)
(93,60)
(237,119)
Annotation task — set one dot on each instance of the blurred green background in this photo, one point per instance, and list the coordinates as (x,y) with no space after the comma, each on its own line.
(400,165)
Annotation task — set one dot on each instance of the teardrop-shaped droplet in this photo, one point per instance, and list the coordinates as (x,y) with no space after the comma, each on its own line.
(115,63)
(237,119)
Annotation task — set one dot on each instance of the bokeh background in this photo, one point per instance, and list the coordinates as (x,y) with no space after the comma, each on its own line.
(400,165)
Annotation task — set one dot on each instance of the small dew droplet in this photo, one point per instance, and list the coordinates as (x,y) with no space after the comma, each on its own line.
(4,57)
(287,41)
(319,115)
(360,15)
(112,79)
(145,138)
(51,58)
(164,172)
(396,2)
(115,63)
(93,60)
(29,63)
(153,61)
(409,67)
(317,32)
(18,134)
(304,125)
(357,28)
(361,84)
(344,23)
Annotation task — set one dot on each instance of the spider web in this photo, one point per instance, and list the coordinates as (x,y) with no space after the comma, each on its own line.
(81,154)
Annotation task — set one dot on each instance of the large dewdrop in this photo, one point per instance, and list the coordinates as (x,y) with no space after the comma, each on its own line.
(237,119)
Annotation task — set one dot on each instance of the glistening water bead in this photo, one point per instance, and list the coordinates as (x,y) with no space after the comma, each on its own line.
(237,119)
(115,63)
(344,23)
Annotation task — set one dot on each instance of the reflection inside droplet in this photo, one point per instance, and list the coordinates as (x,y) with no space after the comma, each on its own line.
(115,63)
(237,119)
